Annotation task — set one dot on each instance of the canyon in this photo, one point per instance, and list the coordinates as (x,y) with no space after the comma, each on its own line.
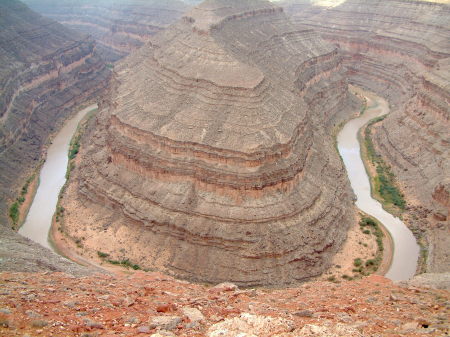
(213,158)
(400,50)
(118,26)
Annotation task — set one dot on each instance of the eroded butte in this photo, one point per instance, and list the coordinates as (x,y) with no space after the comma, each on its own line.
(212,159)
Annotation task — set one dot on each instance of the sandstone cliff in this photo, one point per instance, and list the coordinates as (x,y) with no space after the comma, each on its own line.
(213,160)
(45,71)
(118,26)
(400,49)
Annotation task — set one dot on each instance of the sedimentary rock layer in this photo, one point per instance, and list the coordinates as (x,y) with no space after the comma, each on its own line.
(400,49)
(213,154)
(45,71)
(118,26)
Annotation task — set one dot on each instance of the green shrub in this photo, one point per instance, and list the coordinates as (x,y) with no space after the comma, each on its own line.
(357,262)
(102,255)
(14,212)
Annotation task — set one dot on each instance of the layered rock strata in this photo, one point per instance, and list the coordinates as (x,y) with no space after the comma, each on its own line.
(400,50)
(118,26)
(45,71)
(212,159)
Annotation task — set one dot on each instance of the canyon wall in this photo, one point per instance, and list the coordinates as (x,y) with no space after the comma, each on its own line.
(118,26)
(400,49)
(46,70)
(212,158)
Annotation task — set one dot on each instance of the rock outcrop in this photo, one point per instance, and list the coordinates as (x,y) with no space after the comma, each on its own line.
(46,70)
(400,49)
(118,26)
(212,160)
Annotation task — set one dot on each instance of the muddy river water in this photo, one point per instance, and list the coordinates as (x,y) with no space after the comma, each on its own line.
(52,178)
(406,249)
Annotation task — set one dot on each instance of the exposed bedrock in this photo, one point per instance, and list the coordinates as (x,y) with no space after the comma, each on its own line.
(118,26)
(400,49)
(212,160)
(45,71)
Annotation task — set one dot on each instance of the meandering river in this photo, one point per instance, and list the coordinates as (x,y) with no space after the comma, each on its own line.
(406,249)
(52,178)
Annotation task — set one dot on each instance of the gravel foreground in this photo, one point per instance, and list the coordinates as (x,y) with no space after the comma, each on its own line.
(151,304)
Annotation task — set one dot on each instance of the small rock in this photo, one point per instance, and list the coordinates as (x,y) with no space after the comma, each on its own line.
(32,314)
(409,326)
(226,286)
(39,323)
(193,314)
(304,313)
(165,322)
(166,307)
(163,333)
(392,297)
(91,324)
(143,329)
(5,311)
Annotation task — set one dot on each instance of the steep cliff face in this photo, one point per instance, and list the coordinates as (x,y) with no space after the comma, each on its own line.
(118,26)
(211,161)
(400,49)
(45,71)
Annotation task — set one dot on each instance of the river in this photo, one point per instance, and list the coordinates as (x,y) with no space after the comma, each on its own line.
(52,178)
(406,249)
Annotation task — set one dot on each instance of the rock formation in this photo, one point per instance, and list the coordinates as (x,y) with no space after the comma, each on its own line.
(400,49)
(45,71)
(212,160)
(118,26)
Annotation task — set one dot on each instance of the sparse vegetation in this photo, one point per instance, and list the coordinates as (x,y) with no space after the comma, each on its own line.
(102,255)
(124,262)
(369,225)
(14,210)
